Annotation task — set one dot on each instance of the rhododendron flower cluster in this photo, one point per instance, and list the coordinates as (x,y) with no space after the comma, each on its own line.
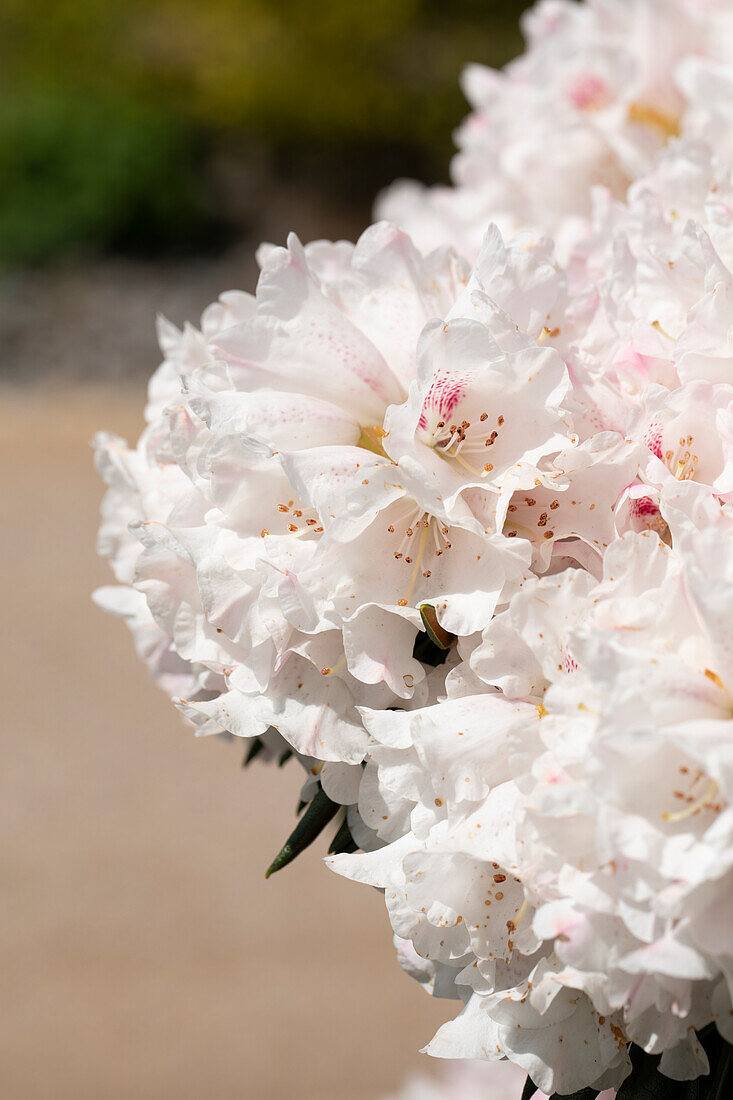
(601,88)
(454,528)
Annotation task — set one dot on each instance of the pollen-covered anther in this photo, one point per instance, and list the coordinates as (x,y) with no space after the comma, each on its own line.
(715,679)
(327,670)
(682,463)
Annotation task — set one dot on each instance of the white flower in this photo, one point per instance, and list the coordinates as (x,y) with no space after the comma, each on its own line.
(568,847)
(282,526)
(599,90)
(385,460)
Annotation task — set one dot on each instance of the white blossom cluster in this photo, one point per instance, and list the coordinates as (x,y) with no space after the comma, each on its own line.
(531,459)
(601,87)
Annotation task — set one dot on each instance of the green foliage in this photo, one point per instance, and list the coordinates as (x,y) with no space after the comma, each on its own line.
(103,102)
(320,811)
(321,68)
(78,172)
(426,650)
(255,748)
(342,841)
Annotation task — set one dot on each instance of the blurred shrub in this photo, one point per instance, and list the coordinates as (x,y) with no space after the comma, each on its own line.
(78,172)
(298,77)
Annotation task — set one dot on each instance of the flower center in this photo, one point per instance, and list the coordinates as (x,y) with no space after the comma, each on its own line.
(419,537)
(371,440)
(531,517)
(696,797)
(462,441)
(681,461)
(588,92)
(668,125)
(296,521)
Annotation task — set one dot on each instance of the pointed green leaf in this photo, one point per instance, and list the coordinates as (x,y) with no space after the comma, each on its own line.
(721,1085)
(342,841)
(529,1089)
(254,750)
(438,636)
(284,757)
(320,811)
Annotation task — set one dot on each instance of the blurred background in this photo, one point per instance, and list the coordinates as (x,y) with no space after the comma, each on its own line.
(146,148)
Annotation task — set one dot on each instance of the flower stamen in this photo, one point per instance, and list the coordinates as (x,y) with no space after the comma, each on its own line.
(420,552)
(681,815)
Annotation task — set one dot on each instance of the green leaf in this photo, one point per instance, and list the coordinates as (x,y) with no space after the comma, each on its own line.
(320,811)
(284,757)
(427,651)
(254,750)
(721,1085)
(438,636)
(342,841)
(529,1089)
